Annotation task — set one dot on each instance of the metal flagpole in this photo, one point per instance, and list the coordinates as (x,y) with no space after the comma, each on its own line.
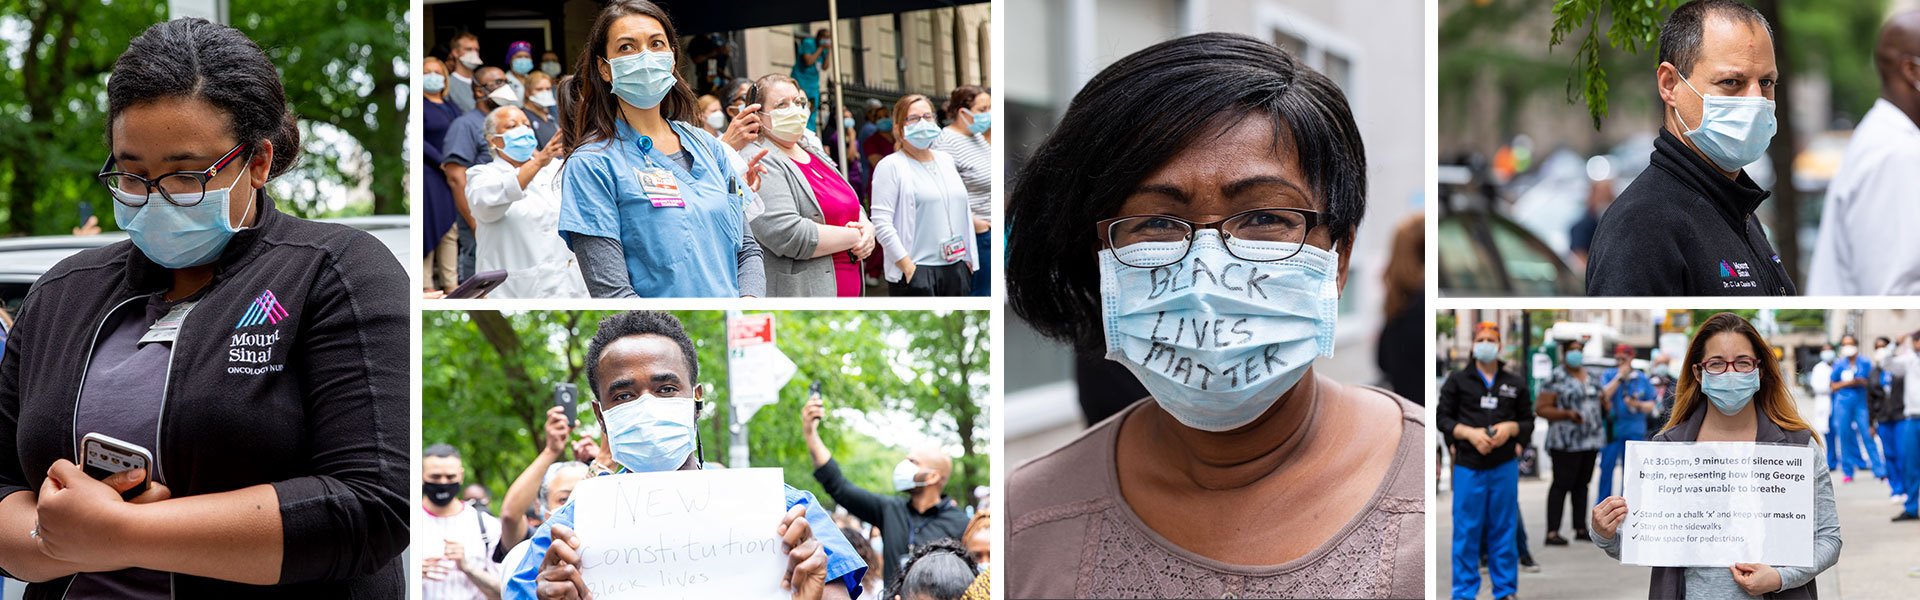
(839,101)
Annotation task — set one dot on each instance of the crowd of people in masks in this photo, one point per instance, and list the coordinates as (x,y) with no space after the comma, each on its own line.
(913,542)
(616,176)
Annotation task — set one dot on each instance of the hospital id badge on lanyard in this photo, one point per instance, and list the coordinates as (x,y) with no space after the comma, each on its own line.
(661,188)
(658,183)
(168,327)
(1489,401)
(954,249)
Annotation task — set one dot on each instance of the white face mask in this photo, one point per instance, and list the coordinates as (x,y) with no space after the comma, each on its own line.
(504,96)
(1734,131)
(471,59)
(716,120)
(543,98)
(904,474)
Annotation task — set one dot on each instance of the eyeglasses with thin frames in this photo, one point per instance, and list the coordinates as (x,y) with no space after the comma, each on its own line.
(1282,225)
(1740,365)
(190,186)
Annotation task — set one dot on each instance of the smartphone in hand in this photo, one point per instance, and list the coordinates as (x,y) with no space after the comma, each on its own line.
(565,396)
(103,455)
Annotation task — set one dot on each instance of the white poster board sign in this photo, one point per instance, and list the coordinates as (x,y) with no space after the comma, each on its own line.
(1712,504)
(682,534)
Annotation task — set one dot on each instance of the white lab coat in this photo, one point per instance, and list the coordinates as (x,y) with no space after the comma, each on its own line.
(519,231)
(1867,245)
(1820,378)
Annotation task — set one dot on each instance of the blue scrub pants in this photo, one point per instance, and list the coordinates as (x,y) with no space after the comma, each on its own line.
(1611,456)
(1890,447)
(1833,436)
(1853,435)
(1485,509)
(1909,431)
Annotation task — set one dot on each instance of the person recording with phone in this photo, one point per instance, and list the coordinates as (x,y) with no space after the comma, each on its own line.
(917,513)
(258,359)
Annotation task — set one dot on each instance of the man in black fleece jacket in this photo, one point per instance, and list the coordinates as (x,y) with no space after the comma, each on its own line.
(1686,225)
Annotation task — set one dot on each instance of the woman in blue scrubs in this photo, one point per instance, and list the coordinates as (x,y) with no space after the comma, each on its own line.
(650,203)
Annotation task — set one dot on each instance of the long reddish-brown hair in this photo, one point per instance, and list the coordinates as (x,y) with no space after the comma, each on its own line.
(1773,397)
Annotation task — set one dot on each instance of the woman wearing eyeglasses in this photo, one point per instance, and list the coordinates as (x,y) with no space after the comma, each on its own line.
(1732,390)
(257,360)
(920,210)
(813,234)
(651,205)
(1205,250)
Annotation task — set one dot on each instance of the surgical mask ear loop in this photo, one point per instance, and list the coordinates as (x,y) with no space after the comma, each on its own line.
(1703,105)
(251,198)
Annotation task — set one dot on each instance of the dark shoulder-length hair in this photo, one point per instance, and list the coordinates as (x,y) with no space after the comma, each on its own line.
(596,109)
(191,57)
(1135,116)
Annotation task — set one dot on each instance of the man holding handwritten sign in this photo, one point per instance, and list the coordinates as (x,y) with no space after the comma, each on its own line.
(661,526)
(1732,498)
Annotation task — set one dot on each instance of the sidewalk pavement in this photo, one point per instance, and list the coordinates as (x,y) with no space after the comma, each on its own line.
(1878,559)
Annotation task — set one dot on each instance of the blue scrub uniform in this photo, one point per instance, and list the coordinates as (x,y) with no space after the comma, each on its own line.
(1486,506)
(1627,426)
(688,251)
(1850,418)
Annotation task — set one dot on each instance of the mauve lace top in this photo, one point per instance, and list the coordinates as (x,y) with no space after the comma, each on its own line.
(1074,536)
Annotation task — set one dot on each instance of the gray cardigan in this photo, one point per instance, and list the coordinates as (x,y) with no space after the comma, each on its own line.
(788,231)
(1795,582)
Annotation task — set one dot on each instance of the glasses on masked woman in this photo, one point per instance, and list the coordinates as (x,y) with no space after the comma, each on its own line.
(1258,235)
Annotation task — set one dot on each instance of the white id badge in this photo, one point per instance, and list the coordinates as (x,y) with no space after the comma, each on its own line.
(168,327)
(954,249)
(1489,402)
(661,188)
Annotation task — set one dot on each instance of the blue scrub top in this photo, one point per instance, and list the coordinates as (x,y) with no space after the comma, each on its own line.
(843,563)
(1861,367)
(672,252)
(1628,425)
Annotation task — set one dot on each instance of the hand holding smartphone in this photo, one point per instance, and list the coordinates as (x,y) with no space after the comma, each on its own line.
(102,455)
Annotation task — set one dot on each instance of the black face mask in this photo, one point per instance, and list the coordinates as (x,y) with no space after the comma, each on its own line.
(440,494)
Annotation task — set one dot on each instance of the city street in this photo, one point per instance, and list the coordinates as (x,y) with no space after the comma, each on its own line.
(1878,559)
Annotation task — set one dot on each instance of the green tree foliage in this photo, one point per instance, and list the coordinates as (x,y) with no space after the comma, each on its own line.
(343,65)
(487,380)
(1631,25)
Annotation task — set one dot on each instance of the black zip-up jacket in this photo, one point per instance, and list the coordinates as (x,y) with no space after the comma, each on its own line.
(1683,229)
(314,402)
(1460,404)
(901,528)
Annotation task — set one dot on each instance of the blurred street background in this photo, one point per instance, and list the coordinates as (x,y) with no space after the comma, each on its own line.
(1523,159)
(1373,49)
(1878,559)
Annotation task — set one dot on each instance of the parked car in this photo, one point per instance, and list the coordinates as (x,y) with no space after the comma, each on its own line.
(23,260)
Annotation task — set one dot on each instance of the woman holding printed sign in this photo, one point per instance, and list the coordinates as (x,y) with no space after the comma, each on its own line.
(219,403)
(1729,367)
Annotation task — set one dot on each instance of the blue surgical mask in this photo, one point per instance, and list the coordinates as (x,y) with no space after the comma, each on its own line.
(903,475)
(1486,351)
(1730,391)
(847,122)
(175,236)
(520,143)
(523,65)
(981,122)
(1217,339)
(1576,358)
(1734,130)
(884,124)
(550,67)
(1826,356)
(651,435)
(433,83)
(643,78)
(922,133)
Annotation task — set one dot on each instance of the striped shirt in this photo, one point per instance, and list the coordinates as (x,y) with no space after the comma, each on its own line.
(430,535)
(974,156)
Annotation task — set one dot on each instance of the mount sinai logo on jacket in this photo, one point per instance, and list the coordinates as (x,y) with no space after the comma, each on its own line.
(254,350)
